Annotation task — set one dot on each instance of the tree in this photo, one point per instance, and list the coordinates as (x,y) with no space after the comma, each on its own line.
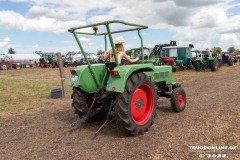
(11,51)
(217,49)
(237,52)
(231,50)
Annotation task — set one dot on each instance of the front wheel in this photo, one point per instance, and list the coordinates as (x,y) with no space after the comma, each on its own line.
(213,65)
(136,106)
(178,100)
(231,62)
(197,65)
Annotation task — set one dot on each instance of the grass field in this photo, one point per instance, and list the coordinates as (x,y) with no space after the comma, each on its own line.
(28,88)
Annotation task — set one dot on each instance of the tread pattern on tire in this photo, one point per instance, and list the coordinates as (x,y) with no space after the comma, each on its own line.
(212,66)
(123,104)
(79,102)
(174,99)
(197,66)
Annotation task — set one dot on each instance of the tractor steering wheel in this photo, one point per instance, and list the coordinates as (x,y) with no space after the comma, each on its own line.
(124,62)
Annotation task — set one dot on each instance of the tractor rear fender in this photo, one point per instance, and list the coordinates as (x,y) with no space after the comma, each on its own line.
(81,77)
(120,74)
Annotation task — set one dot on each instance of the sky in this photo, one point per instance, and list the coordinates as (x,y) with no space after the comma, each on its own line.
(42,25)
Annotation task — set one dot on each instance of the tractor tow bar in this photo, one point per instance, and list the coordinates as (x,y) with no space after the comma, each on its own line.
(110,118)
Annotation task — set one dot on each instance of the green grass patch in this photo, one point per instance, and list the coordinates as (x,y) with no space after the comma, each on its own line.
(28,88)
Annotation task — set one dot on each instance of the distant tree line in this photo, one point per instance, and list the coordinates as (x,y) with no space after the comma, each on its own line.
(231,50)
(11,51)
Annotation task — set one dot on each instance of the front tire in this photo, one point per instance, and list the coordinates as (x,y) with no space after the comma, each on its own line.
(213,65)
(136,107)
(197,65)
(231,62)
(178,100)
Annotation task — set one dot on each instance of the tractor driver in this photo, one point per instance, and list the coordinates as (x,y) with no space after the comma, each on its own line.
(119,51)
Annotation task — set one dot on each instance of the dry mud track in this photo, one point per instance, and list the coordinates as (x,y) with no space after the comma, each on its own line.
(211,118)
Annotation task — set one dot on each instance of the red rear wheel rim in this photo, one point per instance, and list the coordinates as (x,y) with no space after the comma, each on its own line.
(142,104)
(181,100)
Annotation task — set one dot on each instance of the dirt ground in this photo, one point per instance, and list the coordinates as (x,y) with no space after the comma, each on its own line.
(211,118)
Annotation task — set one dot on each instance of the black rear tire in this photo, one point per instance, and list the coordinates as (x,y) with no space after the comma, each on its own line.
(135,108)
(197,65)
(213,65)
(79,102)
(178,100)
(82,102)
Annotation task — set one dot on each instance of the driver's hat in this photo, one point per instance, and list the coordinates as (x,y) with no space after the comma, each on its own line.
(118,40)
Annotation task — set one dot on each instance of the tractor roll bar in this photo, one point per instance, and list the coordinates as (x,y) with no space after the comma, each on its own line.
(108,22)
(75,32)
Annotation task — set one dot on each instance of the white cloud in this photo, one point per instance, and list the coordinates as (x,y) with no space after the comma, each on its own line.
(205,23)
(45,24)
(150,45)
(4,42)
(39,11)
(84,39)
(35,46)
(229,38)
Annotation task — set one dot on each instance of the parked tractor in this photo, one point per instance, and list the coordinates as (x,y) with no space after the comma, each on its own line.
(7,63)
(72,59)
(48,60)
(159,57)
(236,58)
(181,54)
(128,93)
(137,52)
(206,60)
(227,59)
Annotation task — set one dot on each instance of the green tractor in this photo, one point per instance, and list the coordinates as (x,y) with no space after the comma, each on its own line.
(206,60)
(181,54)
(48,59)
(127,93)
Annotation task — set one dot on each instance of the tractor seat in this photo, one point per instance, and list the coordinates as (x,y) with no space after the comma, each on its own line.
(110,65)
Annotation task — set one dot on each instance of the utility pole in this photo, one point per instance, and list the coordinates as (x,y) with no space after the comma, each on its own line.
(60,64)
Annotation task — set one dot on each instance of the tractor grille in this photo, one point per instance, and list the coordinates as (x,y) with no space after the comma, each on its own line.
(164,74)
(157,76)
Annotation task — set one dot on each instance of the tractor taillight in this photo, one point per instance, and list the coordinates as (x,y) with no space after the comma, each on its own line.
(114,73)
(73,71)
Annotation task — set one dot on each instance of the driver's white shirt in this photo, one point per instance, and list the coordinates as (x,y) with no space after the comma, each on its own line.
(119,57)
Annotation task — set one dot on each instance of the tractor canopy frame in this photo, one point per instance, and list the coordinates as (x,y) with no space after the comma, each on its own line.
(76,32)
